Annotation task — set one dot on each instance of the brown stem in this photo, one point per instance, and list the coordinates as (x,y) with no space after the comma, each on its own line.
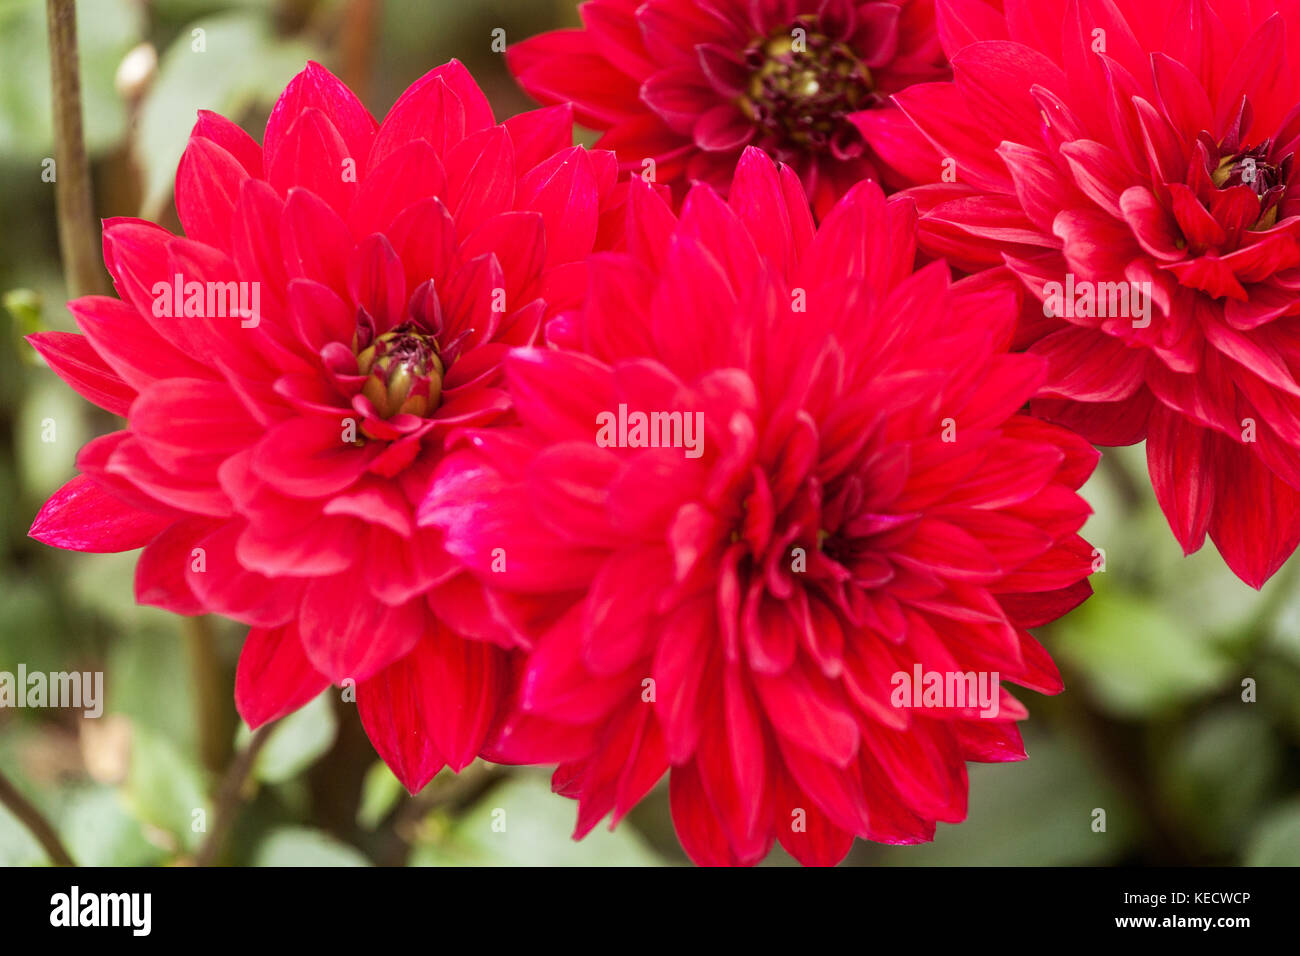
(78,237)
(453,794)
(35,822)
(230,796)
(456,791)
(214,711)
(357,45)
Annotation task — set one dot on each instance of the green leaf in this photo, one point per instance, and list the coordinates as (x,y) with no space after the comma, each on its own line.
(1284,630)
(1037,812)
(522,823)
(1136,658)
(380,792)
(242,65)
(24,305)
(51,429)
(1219,772)
(300,846)
(27,619)
(1276,840)
(296,742)
(147,674)
(106,32)
(106,583)
(17,846)
(99,831)
(1198,590)
(165,789)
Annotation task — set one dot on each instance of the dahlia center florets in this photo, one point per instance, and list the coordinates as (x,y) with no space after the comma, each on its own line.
(403,372)
(802,87)
(1255,169)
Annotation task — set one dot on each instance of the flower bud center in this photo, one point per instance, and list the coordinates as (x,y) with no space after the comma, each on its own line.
(403,372)
(802,86)
(1255,169)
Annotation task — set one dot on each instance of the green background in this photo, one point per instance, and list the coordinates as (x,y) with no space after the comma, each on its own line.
(1152,728)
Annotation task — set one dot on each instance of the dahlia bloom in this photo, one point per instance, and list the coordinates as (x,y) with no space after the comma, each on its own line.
(690,84)
(290,371)
(1142,150)
(855,494)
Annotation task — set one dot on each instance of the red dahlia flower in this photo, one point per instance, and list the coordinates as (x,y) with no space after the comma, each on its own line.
(689,84)
(856,494)
(1131,152)
(272,456)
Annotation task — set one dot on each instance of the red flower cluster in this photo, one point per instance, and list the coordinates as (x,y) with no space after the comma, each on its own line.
(1144,148)
(560,471)
(689,84)
(864,498)
(290,373)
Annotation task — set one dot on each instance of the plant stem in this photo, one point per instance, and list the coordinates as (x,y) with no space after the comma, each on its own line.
(454,793)
(357,44)
(230,796)
(78,236)
(35,822)
(213,711)
(213,708)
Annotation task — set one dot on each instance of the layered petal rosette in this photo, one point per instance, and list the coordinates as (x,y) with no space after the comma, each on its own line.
(770,469)
(689,84)
(1132,162)
(290,371)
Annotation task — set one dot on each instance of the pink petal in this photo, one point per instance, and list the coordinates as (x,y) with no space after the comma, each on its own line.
(81,516)
(347,635)
(274,677)
(77,363)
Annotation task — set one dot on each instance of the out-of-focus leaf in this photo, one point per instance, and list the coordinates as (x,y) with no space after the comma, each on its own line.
(1221,771)
(300,846)
(1276,840)
(1275,683)
(147,674)
(1135,657)
(380,792)
(106,31)
(1284,630)
(51,429)
(296,743)
(522,823)
(241,66)
(165,788)
(17,846)
(24,305)
(1037,812)
(106,584)
(27,620)
(99,831)
(1199,589)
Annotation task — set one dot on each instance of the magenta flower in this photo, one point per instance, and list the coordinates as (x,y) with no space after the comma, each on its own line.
(848,492)
(291,370)
(690,84)
(1132,162)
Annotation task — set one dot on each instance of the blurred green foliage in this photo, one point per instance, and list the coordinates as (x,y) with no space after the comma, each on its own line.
(1152,729)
